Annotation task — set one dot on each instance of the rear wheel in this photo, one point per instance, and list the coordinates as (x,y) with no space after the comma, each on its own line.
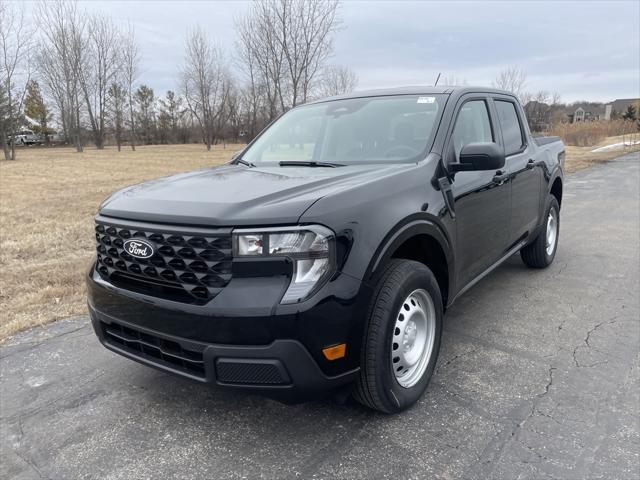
(541,252)
(402,338)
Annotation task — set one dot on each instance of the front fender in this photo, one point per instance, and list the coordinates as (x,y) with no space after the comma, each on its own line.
(410,227)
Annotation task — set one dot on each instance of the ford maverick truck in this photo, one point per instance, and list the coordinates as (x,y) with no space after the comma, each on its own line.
(322,258)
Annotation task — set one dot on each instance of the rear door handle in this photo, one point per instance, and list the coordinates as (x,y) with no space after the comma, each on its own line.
(530,164)
(500,177)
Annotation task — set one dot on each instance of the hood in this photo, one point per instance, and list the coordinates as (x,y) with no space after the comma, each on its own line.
(234,195)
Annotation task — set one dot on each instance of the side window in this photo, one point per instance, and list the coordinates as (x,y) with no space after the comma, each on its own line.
(472,125)
(510,123)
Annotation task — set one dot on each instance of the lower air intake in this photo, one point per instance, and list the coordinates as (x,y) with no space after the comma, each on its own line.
(251,372)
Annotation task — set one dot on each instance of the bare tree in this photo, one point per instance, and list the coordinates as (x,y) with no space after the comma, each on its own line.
(284,45)
(234,113)
(206,83)
(131,71)
(337,80)
(256,95)
(261,59)
(304,30)
(512,79)
(99,71)
(62,53)
(15,47)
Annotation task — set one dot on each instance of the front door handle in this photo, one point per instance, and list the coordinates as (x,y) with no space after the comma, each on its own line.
(500,177)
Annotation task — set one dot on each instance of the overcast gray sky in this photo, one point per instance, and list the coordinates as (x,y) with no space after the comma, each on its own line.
(581,49)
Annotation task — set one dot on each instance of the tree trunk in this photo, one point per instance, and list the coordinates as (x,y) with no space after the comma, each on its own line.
(133,125)
(6,149)
(119,138)
(79,147)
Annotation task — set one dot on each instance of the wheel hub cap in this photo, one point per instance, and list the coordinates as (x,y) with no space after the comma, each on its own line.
(413,338)
(552,231)
(409,338)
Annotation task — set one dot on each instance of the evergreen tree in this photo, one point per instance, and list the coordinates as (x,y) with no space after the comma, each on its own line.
(630,114)
(171,112)
(36,109)
(145,98)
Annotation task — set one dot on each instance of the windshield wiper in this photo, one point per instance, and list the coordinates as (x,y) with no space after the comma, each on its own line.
(243,162)
(292,163)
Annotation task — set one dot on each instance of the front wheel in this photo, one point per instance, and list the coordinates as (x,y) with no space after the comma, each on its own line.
(541,252)
(402,337)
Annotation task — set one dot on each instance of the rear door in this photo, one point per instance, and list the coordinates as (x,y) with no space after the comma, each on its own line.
(525,172)
(482,199)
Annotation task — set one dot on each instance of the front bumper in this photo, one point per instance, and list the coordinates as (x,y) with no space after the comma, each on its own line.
(274,352)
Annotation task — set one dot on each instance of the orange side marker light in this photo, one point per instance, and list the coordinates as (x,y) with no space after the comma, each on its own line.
(335,352)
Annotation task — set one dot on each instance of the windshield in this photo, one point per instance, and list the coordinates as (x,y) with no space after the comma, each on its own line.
(396,128)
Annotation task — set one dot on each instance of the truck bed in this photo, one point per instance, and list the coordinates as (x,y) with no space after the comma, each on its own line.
(542,140)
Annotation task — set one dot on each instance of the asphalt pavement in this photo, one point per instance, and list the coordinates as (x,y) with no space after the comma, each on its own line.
(538,378)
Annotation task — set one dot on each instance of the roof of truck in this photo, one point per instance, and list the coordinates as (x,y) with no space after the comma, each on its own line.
(414,90)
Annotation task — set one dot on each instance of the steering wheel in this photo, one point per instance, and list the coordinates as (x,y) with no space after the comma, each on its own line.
(400,149)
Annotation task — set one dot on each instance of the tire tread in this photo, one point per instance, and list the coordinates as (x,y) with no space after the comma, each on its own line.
(366,390)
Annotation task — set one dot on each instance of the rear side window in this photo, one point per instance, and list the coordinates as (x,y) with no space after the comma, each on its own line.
(511,130)
(472,125)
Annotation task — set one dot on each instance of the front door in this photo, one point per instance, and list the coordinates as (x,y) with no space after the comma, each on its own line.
(482,199)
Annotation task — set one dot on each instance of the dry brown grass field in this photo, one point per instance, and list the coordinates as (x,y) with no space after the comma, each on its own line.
(48,198)
(583,157)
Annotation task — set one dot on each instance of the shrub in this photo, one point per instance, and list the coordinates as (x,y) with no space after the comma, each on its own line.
(588,134)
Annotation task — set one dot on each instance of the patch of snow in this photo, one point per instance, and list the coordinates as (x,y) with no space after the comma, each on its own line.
(35,382)
(628,143)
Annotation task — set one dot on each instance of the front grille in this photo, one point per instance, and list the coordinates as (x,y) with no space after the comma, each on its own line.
(158,350)
(189,266)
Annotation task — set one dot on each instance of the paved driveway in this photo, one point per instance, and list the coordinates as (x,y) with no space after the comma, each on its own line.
(538,378)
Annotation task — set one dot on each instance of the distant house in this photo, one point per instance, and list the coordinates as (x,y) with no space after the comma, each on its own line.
(585,112)
(618,107)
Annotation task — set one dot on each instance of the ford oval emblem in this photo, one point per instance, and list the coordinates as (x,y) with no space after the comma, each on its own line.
(138,248)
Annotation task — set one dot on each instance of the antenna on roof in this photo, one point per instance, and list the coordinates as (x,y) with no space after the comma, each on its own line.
(436,84)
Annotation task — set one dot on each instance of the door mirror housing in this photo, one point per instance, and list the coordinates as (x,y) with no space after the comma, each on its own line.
(479,156)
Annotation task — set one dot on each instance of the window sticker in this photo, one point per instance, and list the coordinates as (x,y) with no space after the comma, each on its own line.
(426,99)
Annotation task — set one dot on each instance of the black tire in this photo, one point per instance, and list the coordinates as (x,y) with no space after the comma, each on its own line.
(377,386)
(535,254)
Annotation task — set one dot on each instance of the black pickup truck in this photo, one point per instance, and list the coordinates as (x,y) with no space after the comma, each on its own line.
(322,258)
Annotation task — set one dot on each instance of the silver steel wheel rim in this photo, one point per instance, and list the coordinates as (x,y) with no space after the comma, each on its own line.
(552,231)
(413,337)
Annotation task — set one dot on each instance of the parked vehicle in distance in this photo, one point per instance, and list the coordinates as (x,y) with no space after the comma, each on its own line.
(322,258)
(26,137)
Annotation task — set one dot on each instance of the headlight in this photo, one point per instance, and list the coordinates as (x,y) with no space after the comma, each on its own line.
(311,249)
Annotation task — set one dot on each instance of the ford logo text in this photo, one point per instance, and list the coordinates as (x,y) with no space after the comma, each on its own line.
(138,248)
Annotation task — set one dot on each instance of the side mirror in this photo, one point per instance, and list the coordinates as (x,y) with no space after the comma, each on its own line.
(479,156)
